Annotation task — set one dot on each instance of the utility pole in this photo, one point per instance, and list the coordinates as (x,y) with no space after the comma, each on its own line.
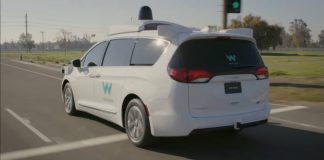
(224,15)
(64,41)
(26,40)
(43,46)
(26,32)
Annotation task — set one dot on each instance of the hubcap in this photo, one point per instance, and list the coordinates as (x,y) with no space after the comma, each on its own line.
(135,124)
(68,100)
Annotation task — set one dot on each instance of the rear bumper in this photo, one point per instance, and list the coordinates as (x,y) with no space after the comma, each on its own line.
(241,126)
(171,124)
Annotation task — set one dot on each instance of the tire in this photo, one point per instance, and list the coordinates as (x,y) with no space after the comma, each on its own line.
(137,124)
(69,105)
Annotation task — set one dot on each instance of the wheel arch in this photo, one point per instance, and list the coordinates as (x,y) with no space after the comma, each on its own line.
(126,100)
(64,83)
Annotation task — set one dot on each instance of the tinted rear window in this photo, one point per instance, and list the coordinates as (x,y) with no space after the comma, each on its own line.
(218,55)
(148,51)
(119,52)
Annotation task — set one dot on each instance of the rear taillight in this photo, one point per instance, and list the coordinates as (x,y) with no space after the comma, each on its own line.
(190,76)
(178,74)
(262,73)
(198,76)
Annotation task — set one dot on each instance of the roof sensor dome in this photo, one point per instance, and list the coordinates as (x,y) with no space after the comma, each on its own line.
(145,13)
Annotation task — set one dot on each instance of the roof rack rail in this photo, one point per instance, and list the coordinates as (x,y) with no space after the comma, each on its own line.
(164,28)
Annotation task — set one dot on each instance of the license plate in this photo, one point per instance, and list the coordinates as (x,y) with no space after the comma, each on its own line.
(233,87)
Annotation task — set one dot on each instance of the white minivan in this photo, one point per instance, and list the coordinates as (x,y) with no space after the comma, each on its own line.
(160,79)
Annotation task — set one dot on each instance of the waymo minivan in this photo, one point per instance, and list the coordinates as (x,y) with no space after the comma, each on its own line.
(160,79)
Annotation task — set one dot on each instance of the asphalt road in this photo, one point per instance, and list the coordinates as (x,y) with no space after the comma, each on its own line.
(35,126)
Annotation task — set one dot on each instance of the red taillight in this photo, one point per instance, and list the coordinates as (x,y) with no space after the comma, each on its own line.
(178,74)
(190,76)
(262,73)
(198,76)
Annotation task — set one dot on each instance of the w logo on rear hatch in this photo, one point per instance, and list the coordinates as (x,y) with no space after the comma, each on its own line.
(231,57)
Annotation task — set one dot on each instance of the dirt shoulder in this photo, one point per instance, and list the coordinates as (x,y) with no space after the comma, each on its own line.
(297,89)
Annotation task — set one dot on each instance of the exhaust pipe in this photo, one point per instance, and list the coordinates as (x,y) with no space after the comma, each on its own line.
(237,126)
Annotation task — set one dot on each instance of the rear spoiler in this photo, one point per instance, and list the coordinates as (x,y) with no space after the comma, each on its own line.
(239,31)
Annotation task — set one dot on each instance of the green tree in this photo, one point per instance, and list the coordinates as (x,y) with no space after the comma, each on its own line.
(64,39)
(300,32)
(26,42)
(274,36)
(266,35)
(321,39)
(286,39)
(236,23)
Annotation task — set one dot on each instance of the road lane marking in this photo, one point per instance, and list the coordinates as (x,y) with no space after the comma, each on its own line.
(23,69)
(29,126)
(286,109)
(281,105)
(297,123)
(37,65)
(63,147)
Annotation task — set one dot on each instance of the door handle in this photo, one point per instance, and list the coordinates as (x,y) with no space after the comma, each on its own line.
(94,75)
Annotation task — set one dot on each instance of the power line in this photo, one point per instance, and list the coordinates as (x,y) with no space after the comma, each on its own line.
(50,24)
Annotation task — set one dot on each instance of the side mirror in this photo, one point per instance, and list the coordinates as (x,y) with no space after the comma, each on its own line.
(92,64)
(76,63)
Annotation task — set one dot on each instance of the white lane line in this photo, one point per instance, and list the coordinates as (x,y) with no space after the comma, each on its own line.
(63,147)
(36,65)
(281,105)
(297,123)
(291,108)
(286,109)
(23,69)
(29,126)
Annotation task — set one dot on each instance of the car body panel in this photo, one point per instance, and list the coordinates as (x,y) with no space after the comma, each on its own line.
(175,108)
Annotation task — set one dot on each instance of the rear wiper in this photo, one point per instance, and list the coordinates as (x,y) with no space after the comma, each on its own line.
(240,67)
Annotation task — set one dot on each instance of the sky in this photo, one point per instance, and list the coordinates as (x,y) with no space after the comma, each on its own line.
(96,16)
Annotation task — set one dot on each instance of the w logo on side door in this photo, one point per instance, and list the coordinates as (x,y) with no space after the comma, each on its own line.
(106,87)
(231,57)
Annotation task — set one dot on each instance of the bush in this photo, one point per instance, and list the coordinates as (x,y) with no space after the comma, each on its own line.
(278,73)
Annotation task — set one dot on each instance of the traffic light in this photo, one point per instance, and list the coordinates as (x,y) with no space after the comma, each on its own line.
(233,6)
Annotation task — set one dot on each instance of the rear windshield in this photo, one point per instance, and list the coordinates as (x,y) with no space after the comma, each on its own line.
(219,56)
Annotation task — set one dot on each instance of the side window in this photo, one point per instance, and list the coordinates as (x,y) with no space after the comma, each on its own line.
(148,51)
(95,55)
(119,52)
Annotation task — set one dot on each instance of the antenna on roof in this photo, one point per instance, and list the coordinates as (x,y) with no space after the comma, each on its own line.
(145,13)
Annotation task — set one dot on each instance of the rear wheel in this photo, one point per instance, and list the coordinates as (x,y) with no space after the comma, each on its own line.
(69,100)
(137,124)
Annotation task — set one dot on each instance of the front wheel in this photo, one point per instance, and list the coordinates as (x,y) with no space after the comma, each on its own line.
(137,124)
(69,100)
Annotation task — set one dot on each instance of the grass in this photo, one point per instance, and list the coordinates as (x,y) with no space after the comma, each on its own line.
(303,64)
(288,88)
(278,94)
(295,76)
(47,57)
(295,65)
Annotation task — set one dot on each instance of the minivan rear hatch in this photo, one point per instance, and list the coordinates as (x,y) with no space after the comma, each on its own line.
(224,75)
